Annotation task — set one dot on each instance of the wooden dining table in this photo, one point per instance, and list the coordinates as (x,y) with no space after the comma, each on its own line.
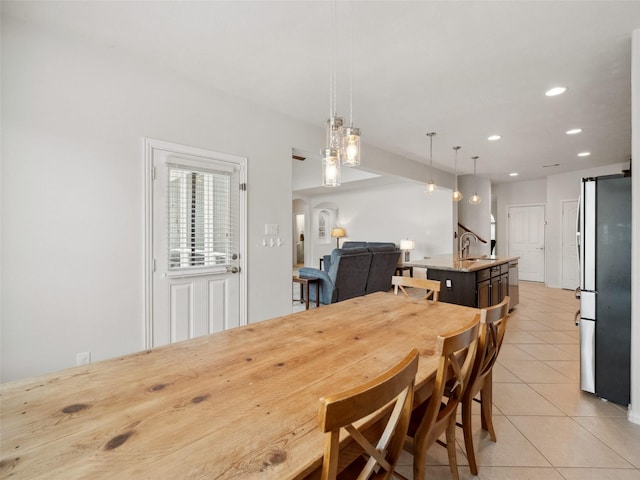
(239,404)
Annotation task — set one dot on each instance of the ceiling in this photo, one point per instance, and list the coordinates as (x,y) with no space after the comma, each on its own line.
(465,70)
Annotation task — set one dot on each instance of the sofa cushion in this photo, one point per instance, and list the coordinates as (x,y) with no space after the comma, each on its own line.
(382,247)
(383,267)
(349,251)
(350,274)
(338,252)
(353,244)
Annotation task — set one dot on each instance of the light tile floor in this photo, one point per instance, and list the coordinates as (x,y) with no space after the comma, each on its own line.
(547,428)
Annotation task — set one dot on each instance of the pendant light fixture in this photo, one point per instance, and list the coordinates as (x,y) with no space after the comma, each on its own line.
(431,186)
(475,198)
(343,143)
(331,158)
(456,196)
(351,136)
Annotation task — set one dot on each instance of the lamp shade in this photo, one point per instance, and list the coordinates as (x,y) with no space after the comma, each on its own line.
(330,168)
(351,147)
(338,232)
(407,244)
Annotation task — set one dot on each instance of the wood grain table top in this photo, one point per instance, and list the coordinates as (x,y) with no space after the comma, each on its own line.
(239,404)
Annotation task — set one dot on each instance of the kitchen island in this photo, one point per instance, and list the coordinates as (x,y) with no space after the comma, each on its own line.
(474,281)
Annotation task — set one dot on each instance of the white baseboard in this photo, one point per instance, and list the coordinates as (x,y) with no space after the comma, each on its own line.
(633,416)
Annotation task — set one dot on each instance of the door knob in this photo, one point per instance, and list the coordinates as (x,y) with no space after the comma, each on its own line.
(234,256)
(233,269)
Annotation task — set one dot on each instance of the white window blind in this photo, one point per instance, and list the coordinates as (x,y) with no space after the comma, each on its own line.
(200,223)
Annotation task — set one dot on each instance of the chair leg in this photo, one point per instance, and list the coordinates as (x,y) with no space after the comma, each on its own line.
(486,405)
(451,447)
(419,460)
(467,403)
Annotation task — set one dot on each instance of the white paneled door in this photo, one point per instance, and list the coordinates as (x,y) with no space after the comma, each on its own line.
(196,240)
(526,240)
(570,267)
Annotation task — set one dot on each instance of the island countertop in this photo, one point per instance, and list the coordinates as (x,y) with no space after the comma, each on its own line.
(451,262)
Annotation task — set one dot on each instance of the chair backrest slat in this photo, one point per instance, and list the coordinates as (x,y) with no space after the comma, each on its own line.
(493,324)
(431,287)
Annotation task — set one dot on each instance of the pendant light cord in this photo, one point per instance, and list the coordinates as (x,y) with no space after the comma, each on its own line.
(430,135)
(333,80)
(351,65)
(431,157)
(456,165)
(475,186)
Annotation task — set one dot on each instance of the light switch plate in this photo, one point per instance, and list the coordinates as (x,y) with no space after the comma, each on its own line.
(271,229)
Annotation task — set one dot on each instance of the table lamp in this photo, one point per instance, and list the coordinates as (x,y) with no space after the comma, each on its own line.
(338,233)
(407,246)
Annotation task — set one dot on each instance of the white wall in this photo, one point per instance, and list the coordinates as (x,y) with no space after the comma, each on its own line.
(73,118)
(634,408)
(390,213)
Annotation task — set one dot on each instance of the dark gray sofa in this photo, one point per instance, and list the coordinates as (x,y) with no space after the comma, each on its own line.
(356,269)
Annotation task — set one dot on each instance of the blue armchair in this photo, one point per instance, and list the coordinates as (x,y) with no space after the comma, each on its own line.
(346,277)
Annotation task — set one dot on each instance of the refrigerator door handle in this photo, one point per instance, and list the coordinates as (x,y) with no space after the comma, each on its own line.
(579,240)
(588,235)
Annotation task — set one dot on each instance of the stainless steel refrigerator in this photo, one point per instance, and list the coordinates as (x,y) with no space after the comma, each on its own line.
(604,242)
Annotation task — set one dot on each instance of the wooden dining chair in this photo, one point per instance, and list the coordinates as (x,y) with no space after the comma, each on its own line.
(388,395)
(493,323)
(431,287)
(437,414)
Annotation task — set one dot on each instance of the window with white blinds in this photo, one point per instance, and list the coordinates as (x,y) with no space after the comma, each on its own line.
(200,223)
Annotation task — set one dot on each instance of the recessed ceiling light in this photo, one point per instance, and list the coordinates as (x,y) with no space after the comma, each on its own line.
(573,131)
(555,91)
(584,154)
(513,174)
(493,138)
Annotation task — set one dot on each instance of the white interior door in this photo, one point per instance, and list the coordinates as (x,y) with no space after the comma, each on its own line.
(526,240)
(570,267)
(197,243)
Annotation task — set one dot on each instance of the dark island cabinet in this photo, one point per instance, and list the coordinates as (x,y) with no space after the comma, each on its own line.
(480,288)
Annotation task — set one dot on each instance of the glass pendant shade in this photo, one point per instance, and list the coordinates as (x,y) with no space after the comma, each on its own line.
(330,168)
(475,199)
(456,196)
(351,147)
(335,133)
(431,187)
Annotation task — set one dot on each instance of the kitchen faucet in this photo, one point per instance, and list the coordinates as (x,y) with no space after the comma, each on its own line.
(464,242)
